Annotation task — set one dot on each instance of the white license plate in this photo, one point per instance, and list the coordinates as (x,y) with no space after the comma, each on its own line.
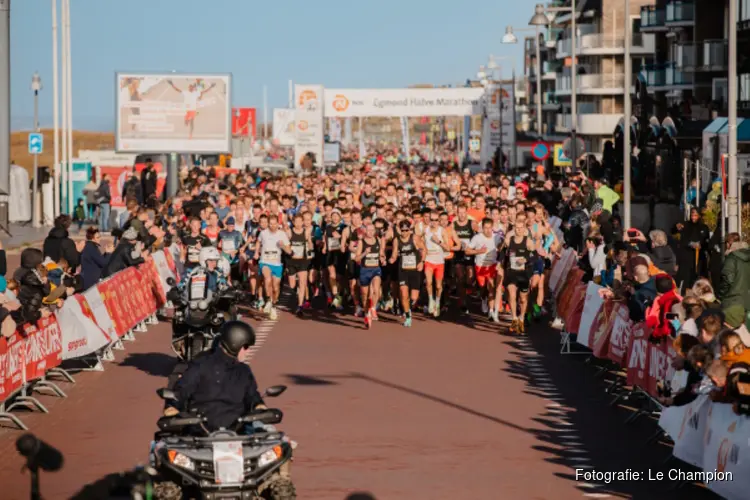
(229,464)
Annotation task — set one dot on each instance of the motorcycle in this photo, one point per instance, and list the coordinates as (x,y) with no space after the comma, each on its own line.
(196,321)
(193,462)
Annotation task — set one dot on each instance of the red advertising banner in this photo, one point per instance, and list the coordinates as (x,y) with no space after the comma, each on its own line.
(43,347)
(619,337)
(118,176)
(575,308)
(638,356)
(243,122)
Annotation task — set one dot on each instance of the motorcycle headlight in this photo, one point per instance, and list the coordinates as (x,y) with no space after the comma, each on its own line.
(180,460)
(203,305)
(193,305)
(269,456)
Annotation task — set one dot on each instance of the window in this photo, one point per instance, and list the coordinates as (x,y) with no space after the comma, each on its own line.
(743,93)
(743,10)
(719,91)
(636,26)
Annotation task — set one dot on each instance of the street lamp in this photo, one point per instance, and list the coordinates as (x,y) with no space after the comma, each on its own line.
(733,188)
(36,86)
(510,37)
(540,19)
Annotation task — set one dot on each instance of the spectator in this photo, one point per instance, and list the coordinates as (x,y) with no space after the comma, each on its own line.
(656,314)
(104,199)
(33,285)
(3,261)
(704,291)
(79,214)
(692,256)
(132,189)
(710,324)
(597,257)
(734,287)
(661,254)
(93,260)
(126,254)
(607,196)
(7,306)
(148,183)
(643,293)
(89,191)
(59,244)
(693,309)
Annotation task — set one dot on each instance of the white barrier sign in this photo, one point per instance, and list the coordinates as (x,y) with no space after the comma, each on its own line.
(81,336)
(591,308)
(99,310)
(309,124)
(283,127)
(403,102)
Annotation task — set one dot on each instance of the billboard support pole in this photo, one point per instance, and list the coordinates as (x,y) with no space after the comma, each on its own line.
(172,175)
(4,112)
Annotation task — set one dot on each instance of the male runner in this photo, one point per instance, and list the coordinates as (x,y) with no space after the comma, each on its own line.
(268,250)
(370,256)
(410,253)
(191,97)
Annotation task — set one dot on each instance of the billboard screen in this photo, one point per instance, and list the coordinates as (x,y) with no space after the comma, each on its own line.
(173,112)
(243,122)
(403,102)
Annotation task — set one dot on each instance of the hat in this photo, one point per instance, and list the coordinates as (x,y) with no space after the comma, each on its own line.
(230,221)
(130,235)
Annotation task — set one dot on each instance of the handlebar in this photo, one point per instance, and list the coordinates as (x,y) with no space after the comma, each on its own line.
(269,416)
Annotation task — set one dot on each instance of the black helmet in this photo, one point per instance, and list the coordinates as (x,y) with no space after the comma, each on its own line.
(234,335)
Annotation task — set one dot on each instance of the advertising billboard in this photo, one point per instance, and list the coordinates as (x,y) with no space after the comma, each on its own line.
(173,112)
(244,122)
(283,127)
(309,123)
(403,102)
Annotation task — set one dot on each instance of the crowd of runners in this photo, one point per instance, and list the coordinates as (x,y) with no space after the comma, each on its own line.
(365,239)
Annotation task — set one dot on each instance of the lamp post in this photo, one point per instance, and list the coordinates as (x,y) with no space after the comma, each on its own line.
(733,190)
(36,86)
(540,19)
(626,123)
(510,37)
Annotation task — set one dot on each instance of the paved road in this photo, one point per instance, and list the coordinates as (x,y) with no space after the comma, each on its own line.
(438,411)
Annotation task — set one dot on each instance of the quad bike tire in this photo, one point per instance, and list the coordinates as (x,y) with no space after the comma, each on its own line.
(280,488)
(167,490)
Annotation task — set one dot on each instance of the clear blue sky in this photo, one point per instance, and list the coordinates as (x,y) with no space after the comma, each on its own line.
(336,43)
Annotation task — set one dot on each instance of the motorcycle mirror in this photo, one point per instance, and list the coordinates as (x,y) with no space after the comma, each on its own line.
(275,390)
(171,281)
(166,394)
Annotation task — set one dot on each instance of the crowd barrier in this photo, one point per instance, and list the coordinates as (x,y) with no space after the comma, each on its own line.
(88,327)
(707,435)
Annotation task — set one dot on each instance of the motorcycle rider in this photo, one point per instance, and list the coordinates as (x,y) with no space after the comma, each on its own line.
(219,385)
(209,265)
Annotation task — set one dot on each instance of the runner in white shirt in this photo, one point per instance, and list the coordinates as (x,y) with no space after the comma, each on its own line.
(191,97)
(271,243)
(437,242)
(484,247)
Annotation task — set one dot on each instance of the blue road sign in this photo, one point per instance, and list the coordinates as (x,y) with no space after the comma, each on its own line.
(540,151)
(36,143)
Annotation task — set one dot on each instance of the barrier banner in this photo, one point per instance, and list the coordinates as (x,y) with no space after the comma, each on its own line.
(561,268)
(688,445)
(619,338)
(12,363)
(43,347)
(575,308)
(638,356)
(601,329)
(660,369)
(568,288)
(591,307)
(727,450)
(161,271)
(81,335)
(94,297)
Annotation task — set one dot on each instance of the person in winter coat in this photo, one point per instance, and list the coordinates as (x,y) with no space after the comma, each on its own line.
(666,298)
(643,293)
(148,182)
(126,254)
(692,257)
(33,286)
(734,287)
(661,253)
(93,260)
(59,244)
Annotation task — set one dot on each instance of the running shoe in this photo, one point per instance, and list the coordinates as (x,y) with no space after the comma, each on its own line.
(329,300)
(273,315)
(521,326)
(485,306)
(306,305)
(368,321)
(495,317)
(431,306)
(359,312)
(514,326)
(557,324)
(388,306)
(261,303)
(466,311)
(536,311)
(299,312)
(407,321)
(374,314)
(268,307)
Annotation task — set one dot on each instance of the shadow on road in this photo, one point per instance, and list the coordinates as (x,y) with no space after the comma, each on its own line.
(156,364)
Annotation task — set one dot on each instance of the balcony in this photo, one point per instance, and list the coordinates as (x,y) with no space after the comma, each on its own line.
(589,123)
(550,102)
(715,55)
(596,84)
(686,58)
(679,13)
(597,44)
(652,19)
(665,77)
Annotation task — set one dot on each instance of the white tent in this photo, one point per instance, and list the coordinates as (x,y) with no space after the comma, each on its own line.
(19,205)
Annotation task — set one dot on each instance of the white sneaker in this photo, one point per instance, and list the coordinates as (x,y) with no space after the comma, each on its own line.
(261,303)
(268,307)
(431,306)
(437,308)
(485,306)
(273,315)
(495,317)
(358,312)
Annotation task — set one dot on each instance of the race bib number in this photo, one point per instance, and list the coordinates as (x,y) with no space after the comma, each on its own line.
(229,462)
(228,245)
(198,287)
(517,263)
(298,251)
(334,244)
(193,254)
(270,256)
(408,261)
(372,260)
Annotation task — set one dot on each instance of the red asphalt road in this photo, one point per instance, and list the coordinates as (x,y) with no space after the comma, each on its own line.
(438,411)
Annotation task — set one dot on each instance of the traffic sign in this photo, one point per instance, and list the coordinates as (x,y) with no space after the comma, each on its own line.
(540,151)
(36,143)
(567,146)
(560,160)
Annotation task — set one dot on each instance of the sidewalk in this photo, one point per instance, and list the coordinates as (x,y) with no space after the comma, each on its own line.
(25,235)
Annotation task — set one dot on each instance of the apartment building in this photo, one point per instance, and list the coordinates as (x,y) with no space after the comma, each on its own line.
(600,51)
(689,75)
(549,68)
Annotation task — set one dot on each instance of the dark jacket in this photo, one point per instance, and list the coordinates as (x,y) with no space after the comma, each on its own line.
(31,289)
(3,263)
(103,193)
(665,259)
(132,189)
(643,297)
(120,259)
(220,387)
(92,264)
(58,244)
(734,287)
(148,182)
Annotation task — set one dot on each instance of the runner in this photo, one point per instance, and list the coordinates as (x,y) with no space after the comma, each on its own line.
(268,250)
(353,234)
(191,97)
(410,253)
(333,246)
(464,230)
(437,243)
(300,239)
(484,248)
(370,256)
(519,248)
